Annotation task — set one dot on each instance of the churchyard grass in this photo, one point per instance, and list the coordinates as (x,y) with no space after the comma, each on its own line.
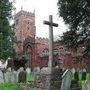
(84,83)
(7,86)
(16,86)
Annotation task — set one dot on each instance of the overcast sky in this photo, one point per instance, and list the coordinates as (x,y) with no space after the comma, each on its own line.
(43,8)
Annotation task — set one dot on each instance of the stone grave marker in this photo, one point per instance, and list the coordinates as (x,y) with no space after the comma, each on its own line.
(28,70)
(45,70)
(36,70)
(8,76)
(1,77)
(66,80)
(14,77)
(22,76)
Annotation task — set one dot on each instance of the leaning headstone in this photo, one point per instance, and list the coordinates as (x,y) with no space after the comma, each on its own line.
(1,77)
(66,80)
(73,70)
(22,76)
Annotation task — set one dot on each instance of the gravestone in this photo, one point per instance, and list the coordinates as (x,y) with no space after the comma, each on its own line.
(76,76)
(18,71)
(66,80)
(22,76)
(45,70)
(30,77)
(36,70)
(84,74)
(14,78)
(1,77)
(73,70)
(28,70)
(86,86)
(8,75)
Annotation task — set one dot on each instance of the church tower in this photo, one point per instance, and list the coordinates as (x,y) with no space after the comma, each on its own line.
(25,31)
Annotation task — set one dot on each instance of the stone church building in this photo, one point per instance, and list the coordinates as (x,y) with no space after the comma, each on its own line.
(36,48)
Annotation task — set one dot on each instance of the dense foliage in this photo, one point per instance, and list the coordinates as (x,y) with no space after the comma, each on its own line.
(76,13)
(6,32)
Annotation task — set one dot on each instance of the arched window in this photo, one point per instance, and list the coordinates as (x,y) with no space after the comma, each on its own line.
(28,53)
(45,52)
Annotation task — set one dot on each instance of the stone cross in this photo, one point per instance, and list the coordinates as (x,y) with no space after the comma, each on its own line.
(51,24)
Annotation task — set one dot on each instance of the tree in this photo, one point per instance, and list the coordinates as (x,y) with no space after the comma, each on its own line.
(76,13)
(6,32)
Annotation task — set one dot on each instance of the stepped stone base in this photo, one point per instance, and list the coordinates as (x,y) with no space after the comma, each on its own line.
(43,81)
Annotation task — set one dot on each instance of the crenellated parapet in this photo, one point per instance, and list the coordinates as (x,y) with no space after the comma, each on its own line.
(42,40)
(25,13)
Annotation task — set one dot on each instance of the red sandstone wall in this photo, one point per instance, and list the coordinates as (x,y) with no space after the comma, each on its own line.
(41,44)
(25,27)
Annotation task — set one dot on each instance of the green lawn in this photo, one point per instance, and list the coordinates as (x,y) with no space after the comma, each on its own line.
(9,87)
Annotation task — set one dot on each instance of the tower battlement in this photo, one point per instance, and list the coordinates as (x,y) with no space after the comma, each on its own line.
(25,13)
(42,40)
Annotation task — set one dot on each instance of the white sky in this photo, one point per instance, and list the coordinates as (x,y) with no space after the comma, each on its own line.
(43,8)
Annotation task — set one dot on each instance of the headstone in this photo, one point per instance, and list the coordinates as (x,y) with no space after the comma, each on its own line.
(8,75)
(76,76)
(4,64)
(22,76)
(80,74)
(14,78)
(18,71)
(84,74)
(28,70)
(30,77)
(86,86)
(1,77)
(66,80)
(73,70)
(88,76)
(45,70)
(36,70)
